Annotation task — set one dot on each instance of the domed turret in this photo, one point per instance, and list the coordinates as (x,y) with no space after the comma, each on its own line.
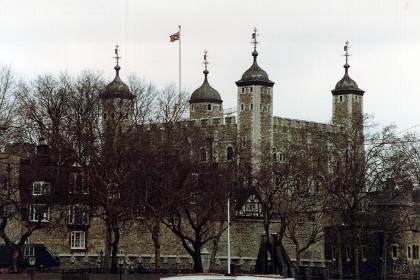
(205,93)
(347,99)
(117,88)
(346,84)
(205,101)
(255,75)
(117,105)
(255,113)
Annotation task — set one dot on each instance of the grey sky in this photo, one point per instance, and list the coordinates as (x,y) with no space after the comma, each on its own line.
(301,47)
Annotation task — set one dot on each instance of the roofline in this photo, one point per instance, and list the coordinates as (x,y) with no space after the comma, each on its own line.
(255,82)
(348,91)
(106,95)
(206,100)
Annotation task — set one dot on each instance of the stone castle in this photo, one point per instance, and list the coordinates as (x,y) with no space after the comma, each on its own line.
(251,138)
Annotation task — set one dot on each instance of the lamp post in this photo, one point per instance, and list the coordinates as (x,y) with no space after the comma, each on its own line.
(101,254)
(32,263)
(121,262)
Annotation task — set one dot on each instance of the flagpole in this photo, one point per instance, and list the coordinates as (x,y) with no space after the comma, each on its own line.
(179,59)
(228,235)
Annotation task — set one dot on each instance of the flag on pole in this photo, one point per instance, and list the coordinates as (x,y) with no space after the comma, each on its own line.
(174,37)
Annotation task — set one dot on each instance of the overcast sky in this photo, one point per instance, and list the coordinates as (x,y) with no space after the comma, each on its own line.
(301,47)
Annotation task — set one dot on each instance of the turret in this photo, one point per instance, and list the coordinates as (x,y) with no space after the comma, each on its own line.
(117,104)
(205,101)
(347,102)
(255,112)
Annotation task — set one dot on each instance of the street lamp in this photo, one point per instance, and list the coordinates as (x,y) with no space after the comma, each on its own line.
(32,263)
(121,262)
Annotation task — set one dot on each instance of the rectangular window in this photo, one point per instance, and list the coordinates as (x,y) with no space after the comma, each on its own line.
(394,251)
(28,251)
(79,215)
(39,211)
(40,188)
(409,252)
(363,253)
(77,184)
(77,240)
(415,252)
(348,253)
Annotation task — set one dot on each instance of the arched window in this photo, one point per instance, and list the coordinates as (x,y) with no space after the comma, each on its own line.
(229,153)
(203,155)
(208,107)
(318,184)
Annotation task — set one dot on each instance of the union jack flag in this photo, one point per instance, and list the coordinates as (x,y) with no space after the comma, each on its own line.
(174,37)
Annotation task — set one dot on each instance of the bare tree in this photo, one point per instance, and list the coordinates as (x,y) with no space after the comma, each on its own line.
(145,101)
(8,86)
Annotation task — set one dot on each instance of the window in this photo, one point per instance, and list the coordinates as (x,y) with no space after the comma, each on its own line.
(203,155)
(341,98)
(79,215)
(317,184)
(77,240)
(208,107)
(415,252)
(243,90)
(229,153)
(251,107)
(28,250)
(138,211)
(192,108)
(242,107)
(39,211)
(77,184)
(104,116)
(250,89)
(114,191)
(409,252)
(252,207)
(394,251)
(282,157)
(363,249)
(40,188)
(348,253)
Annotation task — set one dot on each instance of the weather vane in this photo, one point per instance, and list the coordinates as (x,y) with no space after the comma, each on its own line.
(346,50)
(117,57)
(254,38)
(205,59)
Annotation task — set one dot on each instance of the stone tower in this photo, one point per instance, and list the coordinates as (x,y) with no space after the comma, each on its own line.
(347,103)
(255,113)
(117,104)
(205,102)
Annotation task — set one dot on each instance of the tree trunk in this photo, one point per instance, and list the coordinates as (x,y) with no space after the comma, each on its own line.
(198,265)
(17,257)
(297,263)
(156,241)
(107,260)
(114,246)
(356,262)
(339,256)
